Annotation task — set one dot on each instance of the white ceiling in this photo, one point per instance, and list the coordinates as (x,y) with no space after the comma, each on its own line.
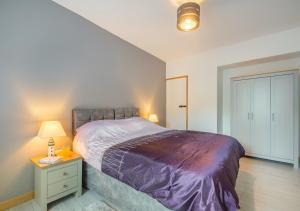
(151,24)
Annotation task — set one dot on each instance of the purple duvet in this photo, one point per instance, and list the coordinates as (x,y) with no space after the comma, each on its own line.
(183,170)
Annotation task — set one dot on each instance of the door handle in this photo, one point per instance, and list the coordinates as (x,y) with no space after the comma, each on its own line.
(250,116)
(182,106)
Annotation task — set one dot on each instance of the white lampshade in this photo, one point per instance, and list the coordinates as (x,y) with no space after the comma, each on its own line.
(51,129)
(153,118)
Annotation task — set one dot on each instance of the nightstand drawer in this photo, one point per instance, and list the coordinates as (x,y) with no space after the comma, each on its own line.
(62,186)
(62,173)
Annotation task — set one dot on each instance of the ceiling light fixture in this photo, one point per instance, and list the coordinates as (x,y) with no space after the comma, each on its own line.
(188,16)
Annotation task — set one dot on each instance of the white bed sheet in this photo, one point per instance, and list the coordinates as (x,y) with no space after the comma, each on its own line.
(94,138)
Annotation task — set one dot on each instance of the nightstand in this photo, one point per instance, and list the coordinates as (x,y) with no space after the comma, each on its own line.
(54,181)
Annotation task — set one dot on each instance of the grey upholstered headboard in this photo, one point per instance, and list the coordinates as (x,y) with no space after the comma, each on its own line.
(82,116)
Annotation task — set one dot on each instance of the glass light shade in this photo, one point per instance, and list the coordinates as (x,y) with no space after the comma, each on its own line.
(181,2)
(153,118)
(50,129)
(188,17)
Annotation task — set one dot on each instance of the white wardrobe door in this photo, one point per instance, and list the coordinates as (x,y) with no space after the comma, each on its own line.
(260,124)
(241,112)
(282,121)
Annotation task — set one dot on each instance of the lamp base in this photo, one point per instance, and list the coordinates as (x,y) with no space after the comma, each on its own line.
(50,160)
(51,145)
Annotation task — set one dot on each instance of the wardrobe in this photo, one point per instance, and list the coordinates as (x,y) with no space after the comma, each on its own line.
(264,115)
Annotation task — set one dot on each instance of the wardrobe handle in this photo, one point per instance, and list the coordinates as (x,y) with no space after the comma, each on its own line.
(273,116)
(248,115)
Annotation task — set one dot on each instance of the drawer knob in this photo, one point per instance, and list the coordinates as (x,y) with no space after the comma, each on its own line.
(65,174)
(66,186)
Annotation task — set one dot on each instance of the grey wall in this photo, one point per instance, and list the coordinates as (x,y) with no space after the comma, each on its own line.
(52,60)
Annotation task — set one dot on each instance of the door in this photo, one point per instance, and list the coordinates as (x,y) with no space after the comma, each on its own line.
(260,116)
(177,103)
(282,121)
(241,114)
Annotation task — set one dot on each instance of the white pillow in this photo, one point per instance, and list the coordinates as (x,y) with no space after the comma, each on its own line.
(107,129)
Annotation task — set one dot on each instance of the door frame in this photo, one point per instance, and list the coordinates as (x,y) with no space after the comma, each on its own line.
(186,77)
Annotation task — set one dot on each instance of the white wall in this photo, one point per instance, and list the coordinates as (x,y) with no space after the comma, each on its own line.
(287,64)
(202,71)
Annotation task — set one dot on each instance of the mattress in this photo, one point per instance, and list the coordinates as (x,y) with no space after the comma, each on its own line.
(118,194)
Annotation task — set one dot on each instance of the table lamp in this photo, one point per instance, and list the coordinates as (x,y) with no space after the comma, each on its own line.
(153,118)
(51,129)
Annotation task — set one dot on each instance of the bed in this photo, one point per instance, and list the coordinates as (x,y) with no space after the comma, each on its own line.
(138,165)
